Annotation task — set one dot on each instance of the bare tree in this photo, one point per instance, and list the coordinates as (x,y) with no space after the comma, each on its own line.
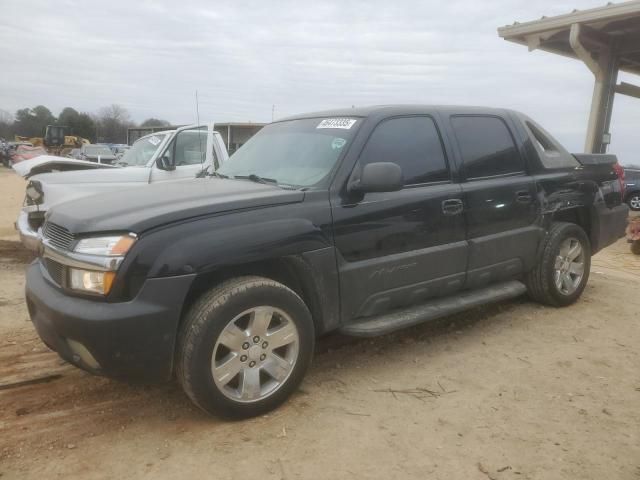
(112,123)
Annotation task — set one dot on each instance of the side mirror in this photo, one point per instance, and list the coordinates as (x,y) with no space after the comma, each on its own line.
(164,163)
(377,177)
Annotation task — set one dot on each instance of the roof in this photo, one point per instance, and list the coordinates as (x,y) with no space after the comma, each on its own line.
(613,24)
(240,124)
(390,110)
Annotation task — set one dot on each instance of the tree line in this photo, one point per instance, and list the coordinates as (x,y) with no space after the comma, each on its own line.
(108,125)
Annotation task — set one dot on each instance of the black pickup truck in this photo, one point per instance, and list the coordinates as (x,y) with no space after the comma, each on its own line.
(362,220)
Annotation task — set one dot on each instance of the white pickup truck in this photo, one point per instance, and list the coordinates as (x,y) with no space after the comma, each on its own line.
(157,157)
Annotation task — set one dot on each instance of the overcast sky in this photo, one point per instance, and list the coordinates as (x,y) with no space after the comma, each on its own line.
(244,57)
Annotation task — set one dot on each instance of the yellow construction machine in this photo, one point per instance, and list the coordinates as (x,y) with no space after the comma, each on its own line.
(55,140)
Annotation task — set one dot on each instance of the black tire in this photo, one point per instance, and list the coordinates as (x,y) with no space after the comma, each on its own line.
(634,198)
(540,281)
(635,247)
(206,320)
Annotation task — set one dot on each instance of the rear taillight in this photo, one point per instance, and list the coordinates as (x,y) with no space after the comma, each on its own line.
(620,173)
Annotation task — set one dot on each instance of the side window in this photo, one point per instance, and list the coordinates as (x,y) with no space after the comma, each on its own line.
(411,142)
(190,147)
(486,145)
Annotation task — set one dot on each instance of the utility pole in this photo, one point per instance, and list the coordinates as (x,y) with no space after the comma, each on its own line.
(273,111)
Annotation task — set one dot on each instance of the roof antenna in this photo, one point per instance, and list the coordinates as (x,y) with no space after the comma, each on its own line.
(197,109)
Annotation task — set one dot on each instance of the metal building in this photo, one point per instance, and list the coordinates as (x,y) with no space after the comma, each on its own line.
(236,134)
(606,39)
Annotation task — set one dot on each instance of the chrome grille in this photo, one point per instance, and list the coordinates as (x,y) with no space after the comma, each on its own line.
(56,270)
(58,236)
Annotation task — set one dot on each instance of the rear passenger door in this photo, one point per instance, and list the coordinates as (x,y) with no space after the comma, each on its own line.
(501,205)
(401,248)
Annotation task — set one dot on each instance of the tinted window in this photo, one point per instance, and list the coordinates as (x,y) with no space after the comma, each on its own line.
(486,146)
(411,142)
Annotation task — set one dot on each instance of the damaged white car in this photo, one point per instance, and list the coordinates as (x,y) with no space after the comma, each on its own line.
(158,157)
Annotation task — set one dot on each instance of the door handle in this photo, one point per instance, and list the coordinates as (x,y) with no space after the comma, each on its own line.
(523,196)
(452,206)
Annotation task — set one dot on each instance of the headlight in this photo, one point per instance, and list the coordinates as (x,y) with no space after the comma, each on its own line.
(34,193)
(112,249)
(91,281)
(115,245)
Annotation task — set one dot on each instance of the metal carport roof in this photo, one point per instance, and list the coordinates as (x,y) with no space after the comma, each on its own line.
(606,39)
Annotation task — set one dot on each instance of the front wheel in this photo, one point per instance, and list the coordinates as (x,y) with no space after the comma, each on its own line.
(244,347)
(563,268)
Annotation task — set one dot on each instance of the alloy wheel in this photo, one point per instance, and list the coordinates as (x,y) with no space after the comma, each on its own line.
(569,266)
(255,354)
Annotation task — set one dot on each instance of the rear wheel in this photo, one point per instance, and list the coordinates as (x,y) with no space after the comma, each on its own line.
(563,268)
(635,247)
(244,347)
(633,200)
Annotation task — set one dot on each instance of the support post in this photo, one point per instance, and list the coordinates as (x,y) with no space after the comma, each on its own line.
(605,71)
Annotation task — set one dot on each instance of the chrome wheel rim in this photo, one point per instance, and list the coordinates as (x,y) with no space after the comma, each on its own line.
(255,354)
(569,266)
(635,202)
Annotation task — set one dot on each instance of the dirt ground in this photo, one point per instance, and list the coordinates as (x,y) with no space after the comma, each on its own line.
(511,391)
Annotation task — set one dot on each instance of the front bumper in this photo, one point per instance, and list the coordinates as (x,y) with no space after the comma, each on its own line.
(132,340)
(28,237)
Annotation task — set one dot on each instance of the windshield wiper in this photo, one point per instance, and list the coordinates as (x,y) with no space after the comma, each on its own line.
(267,181)
(205,173)
(258,179)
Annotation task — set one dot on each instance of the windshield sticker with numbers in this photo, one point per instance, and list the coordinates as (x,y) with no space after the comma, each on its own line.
(154,141)
(343,123)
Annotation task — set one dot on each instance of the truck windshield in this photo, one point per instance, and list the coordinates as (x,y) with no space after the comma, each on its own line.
(141,151)
(298,153)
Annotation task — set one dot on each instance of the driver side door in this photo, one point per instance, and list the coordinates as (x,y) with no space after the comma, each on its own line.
(404,247)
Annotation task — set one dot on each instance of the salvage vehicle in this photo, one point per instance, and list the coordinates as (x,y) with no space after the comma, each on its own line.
(632,188)
(119,151)
(8,150)
(22,153)
(195,148)
(363,220)
(97,153)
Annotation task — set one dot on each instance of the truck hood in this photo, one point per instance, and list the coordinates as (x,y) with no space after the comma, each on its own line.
(139,209)
(103,158)
(52,163)
(100,173)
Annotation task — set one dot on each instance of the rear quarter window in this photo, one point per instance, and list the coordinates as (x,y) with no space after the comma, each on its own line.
(486,145)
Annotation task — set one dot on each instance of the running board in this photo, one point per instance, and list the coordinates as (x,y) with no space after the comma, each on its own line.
(441,307)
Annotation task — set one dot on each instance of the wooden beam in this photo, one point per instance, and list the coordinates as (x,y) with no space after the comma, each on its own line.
(628,89)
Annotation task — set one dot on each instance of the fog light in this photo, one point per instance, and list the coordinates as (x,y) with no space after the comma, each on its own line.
(91,281)
(85,355)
